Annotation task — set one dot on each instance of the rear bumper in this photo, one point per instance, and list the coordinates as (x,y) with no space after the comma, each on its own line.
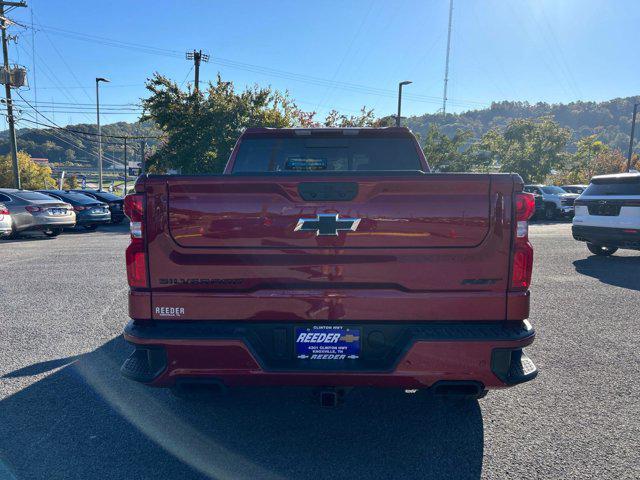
(415,355)
(567,210)
(614,237)
(44,223)
(94,219)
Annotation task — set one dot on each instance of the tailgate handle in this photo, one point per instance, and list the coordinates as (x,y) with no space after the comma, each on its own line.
(333,191)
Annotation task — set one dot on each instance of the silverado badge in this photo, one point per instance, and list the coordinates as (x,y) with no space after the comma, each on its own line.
(327,224)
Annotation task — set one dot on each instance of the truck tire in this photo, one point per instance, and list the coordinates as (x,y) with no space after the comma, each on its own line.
(601,250)
(550,211)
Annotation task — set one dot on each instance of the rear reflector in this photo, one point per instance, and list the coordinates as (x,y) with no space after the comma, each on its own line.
(522,267)
(136,254)
(522,261)
(136,264)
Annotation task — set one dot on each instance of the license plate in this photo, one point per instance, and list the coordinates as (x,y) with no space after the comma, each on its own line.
(327,343)
(97,210)
(57,211)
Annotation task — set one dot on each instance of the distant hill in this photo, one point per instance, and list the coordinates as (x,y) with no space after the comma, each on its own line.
(78,149)
(610,120)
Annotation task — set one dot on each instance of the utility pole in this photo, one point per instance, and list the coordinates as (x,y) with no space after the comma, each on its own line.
(7,90)
(33,67)
(143,145)
(446,65)
(633,131)
(126,166)
(197,56)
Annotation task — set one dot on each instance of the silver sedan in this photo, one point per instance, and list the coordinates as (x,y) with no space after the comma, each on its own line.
(33,211)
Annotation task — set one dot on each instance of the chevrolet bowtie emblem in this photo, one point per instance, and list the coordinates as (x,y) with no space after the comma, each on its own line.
(327,224)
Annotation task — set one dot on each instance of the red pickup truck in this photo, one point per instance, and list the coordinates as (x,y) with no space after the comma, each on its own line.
(330,258)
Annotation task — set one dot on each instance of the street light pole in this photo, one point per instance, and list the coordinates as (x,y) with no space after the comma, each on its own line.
(98,80)
(633,131)
(400,85)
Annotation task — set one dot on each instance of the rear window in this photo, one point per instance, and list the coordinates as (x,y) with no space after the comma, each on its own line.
(37,196)
(326,155)
(613,188)
(74,197)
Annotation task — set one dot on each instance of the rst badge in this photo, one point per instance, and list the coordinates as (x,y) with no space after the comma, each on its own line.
(327,343)
(327,224)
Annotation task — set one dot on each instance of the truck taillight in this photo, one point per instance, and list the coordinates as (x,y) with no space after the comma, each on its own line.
(136,253)
(522,261)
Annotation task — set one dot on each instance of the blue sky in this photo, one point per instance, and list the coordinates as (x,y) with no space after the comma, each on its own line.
(331,54)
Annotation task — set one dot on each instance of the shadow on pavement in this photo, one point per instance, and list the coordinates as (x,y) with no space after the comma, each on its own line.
(86,421)
(40,367)
(122,228)
(614,270)
(26,237)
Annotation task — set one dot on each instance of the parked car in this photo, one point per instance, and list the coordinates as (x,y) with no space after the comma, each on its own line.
(5,221)
(33,211)
(89,212)
(539,203)
(557,202)
(327,258)
(608,214)
(574,188)
(115,202)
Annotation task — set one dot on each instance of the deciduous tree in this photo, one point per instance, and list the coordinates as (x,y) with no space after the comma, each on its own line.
(201,127)
(531,148)
(32,174)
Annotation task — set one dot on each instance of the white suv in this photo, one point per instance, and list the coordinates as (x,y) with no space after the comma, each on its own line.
(607,214)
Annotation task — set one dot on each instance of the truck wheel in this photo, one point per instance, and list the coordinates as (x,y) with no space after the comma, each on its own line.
(549,211)
(601,250)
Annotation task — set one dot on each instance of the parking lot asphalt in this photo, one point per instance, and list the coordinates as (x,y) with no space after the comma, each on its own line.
(65,411)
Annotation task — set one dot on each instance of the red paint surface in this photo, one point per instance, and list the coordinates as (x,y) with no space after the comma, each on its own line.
(424,364)
(430,247)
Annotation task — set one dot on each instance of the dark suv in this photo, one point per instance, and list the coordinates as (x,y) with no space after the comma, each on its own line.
(115,202)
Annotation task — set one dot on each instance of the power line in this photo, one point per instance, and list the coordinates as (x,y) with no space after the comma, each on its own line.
(77,131)
(257,68)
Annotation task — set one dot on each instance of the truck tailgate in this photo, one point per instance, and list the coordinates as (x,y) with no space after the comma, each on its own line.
(425,247)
